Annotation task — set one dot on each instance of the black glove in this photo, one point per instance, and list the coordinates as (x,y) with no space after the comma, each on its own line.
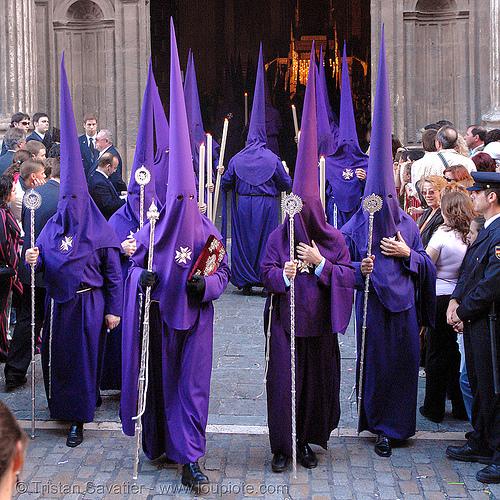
(148,278)
(195,287)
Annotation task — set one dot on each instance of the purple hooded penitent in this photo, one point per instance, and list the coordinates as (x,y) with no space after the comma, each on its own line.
(327,128)
(343,188)
(125,221)
(162,148)
(78,227)
(392,340)
(80,258)
(181,325)
(255,176)
(323,300)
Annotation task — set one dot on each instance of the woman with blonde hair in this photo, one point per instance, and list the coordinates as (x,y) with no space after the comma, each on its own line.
(447,249)
(12,447)
(431,219)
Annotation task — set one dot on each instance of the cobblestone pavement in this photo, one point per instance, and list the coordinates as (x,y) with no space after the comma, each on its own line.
(238,456)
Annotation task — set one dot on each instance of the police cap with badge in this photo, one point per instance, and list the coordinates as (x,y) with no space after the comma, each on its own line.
(485,180)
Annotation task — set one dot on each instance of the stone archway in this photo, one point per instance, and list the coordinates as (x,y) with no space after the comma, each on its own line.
(85,30)
(438,76)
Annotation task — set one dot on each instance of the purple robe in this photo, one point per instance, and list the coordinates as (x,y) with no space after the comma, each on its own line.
(323,309)
(254,215)
(180,365)
(79,337)
(392,334)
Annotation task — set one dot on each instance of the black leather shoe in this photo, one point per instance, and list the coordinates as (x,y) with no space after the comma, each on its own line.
(192,476)
(14,383)
(306,456)
(490,474)
(279,463)
(98,403)
(466,454)
(429,416)
(383,446)
(247,290)
(75,436)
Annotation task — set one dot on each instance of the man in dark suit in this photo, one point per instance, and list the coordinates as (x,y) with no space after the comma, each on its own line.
(473,307)
(41,133)
(87,143)
(101,188)
(104,144)
(18,120)
(19,356)
(14,140)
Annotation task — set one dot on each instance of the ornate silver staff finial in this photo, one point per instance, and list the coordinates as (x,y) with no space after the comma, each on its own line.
(371,204)
(32,201)
(292,205)
(142,177)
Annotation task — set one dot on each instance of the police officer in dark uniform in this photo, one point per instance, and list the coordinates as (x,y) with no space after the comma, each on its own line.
(472,307)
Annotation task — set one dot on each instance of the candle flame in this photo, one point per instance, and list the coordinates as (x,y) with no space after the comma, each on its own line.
(293,105)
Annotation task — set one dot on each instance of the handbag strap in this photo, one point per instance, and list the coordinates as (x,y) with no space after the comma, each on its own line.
(443,159)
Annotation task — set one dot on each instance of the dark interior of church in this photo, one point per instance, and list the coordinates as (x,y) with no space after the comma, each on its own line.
(224,37)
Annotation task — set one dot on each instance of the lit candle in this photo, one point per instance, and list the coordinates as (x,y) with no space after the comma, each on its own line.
(322,180)
(246,108)
(201,175)
(209,175)
(219,168)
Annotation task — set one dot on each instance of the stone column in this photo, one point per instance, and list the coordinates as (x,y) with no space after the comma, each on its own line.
(492,118)
(17,59)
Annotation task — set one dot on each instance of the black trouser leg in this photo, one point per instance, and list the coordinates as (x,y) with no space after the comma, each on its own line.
(19,357)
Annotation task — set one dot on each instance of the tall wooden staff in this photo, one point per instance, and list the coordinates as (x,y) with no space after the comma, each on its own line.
(292,205)
(32,201)
(142,382)
(219,168)
(371,204)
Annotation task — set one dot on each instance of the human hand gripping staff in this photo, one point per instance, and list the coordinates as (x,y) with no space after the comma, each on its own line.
(371,204)
(32,201)
(142,388)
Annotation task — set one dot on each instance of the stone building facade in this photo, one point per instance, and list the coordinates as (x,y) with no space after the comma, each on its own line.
(442,56)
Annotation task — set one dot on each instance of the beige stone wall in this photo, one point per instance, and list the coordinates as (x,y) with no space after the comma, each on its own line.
(107,49)
(438,61)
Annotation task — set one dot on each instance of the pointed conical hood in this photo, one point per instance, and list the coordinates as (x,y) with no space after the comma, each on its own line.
(324,90)
(162,148)
(380,178)
(305,180)
(180,232)
(78,228)
(257,128)
(347,128)
(126,220)
(345,188)
(326,140)
(393,284)
(197,134)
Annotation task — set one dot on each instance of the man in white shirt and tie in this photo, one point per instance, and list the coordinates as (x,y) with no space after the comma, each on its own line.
(87,142)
